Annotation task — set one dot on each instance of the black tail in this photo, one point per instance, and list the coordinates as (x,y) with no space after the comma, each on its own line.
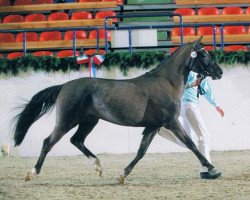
(40,104)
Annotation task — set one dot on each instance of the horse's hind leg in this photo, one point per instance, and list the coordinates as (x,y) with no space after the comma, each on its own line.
(148,135)
(48,143)
(84,128)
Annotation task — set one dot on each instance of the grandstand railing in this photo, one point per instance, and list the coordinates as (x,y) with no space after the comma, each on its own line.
(129,28)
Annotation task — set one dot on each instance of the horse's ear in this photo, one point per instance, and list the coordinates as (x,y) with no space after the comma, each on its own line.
(197,41)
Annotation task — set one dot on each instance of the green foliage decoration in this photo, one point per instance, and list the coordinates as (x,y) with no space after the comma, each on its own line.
(123,60)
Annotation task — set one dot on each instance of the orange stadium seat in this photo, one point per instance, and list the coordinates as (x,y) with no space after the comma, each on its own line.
(58,16)
(43,53)
(186,31)
(106,13)
(236,48)
(4,3)
(119,2)
(93,34)
(47,36)
(14,55)
(208,11)
(22,2)
(67,53)
(30,37)
(81,15)
(13,19)
(228,30)
(207,30)
(6,37)
(232,11)
(43,1)
(185,11)
(35,17)
(91,52)
(80,35)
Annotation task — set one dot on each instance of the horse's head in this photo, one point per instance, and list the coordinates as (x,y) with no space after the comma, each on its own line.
(201,62)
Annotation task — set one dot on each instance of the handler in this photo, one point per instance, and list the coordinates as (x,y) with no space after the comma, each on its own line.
(192,121)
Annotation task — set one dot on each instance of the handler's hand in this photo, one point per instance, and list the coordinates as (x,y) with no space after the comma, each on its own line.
(218,108)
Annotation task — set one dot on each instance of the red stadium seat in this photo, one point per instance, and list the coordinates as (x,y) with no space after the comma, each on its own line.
(22,2)
(67,53)
(232,11)
(81,15)
(172,50)
(119,2)
(228,30)
(43,1)
(43,53)
(185,11)
(14,55)
(1,55)
(30,37)
(209,48)
(208,11)
(248,10)
(186,31)
(35,17)
(4,3)
(80,35)
(106,13)
(47,36)
(236,48)
(88,0)
(58,16)
(93,34)
(6,37)
(91,52)
(207,30)
(13,19)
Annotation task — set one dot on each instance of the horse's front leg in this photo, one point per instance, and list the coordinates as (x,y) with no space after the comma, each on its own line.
(180,133)
(148,135)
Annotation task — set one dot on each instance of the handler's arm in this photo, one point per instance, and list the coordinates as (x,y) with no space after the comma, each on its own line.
(210,96)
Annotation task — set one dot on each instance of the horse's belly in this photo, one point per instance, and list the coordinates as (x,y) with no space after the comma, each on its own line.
(120,104)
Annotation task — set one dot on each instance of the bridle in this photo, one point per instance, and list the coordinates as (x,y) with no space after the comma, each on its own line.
(204,73)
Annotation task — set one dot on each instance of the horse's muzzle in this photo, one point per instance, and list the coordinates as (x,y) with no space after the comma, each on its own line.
(217,75)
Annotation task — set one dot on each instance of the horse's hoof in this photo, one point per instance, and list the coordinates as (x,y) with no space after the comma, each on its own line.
(97,166)
(98,172)
(121,179)
(212,174)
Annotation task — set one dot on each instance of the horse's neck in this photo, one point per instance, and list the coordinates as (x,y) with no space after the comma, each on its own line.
(175,70)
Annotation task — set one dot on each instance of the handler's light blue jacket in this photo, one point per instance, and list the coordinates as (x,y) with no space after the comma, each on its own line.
(190,94)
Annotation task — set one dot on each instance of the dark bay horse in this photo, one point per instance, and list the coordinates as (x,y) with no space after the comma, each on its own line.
(151,100)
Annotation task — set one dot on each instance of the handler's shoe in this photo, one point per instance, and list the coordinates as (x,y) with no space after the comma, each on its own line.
(213,174)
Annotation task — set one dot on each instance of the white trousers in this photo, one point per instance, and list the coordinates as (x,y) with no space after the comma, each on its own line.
(192,122)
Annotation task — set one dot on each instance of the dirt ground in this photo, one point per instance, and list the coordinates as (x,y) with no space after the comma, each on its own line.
(157,176)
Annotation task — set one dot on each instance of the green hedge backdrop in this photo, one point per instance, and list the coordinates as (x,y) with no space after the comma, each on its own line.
(123,60)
